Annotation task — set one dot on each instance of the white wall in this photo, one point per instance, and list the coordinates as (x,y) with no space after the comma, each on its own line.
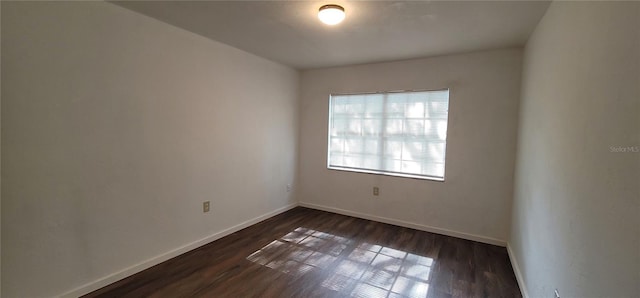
(475,200)
(0,158)
(576,215)
(115,128)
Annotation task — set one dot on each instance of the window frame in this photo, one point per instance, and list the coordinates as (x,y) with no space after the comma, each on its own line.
(387,173)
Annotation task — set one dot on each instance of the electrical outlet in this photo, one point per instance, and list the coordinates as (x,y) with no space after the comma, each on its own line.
(288,187)
(376,191)
(557,293)
(205,206)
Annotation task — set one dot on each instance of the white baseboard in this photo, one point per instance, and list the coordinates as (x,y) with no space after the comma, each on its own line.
(401,223)
(516,270)
(111,278)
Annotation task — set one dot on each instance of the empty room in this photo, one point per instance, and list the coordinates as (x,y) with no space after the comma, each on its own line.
(320,149)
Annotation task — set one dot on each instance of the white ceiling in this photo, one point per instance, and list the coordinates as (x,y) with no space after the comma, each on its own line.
(289,32)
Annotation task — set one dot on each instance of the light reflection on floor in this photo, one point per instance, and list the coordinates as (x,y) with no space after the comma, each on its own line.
(356,269)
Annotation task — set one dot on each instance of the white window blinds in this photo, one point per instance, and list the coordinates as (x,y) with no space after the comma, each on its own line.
(396,133)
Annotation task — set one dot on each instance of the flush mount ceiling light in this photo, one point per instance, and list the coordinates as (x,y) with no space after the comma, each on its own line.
(331,14)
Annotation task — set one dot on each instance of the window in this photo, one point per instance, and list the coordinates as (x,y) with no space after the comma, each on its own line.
(394,133)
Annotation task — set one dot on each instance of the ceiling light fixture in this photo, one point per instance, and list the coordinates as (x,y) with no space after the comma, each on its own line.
(331,14)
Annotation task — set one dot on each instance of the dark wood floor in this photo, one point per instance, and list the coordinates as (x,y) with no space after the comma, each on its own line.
(310,253)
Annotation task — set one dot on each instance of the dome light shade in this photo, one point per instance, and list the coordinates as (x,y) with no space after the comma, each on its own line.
(331,14)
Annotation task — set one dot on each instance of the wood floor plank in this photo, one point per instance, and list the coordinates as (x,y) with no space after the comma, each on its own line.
(310,253)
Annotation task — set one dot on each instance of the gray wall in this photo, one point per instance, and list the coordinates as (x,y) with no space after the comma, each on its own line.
(474,201)
(576,215)
(115,128)
(0,165)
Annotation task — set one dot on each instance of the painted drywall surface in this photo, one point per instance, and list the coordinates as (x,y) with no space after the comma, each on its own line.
(0,158)
(116,127)
(577,202)
(475,197)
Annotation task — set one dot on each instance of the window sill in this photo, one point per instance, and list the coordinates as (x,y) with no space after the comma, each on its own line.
(392,174)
